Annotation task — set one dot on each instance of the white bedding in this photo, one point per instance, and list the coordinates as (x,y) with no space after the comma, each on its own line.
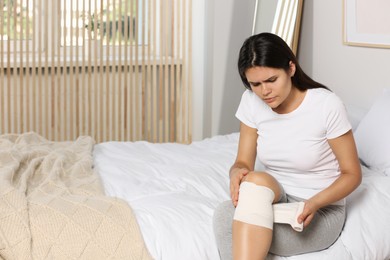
(174,188)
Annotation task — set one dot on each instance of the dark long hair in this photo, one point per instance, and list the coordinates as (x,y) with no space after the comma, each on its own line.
(269,50)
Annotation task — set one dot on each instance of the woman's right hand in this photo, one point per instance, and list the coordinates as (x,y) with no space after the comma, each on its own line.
(236,177)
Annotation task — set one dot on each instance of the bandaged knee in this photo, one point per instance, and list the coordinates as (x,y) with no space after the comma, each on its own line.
(255,207)
(288,213)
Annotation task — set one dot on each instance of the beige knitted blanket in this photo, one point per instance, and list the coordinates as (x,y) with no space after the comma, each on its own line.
(52,205)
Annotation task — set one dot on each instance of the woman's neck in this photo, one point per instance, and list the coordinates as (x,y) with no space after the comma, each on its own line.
(292,102)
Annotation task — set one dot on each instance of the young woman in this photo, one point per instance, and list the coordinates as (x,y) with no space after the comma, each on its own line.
(299,130)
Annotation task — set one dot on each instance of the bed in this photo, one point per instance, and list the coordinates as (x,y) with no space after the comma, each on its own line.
(171,191)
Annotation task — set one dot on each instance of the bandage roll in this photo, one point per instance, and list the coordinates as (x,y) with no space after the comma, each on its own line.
(288,213)
(255,205)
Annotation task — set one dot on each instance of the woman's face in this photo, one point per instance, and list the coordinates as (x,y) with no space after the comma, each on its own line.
(272,85)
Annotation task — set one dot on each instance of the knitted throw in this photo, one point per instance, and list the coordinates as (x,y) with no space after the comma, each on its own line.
(52,204)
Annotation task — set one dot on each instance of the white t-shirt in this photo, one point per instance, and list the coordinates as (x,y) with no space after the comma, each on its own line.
(293,147)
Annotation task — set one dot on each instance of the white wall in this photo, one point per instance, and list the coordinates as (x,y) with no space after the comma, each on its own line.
(198,71)
(356,74)
(225,24)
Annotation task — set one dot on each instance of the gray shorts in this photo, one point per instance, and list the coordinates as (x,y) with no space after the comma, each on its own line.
(322,232)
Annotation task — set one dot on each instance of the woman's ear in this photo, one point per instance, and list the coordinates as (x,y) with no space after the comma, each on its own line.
(292,68)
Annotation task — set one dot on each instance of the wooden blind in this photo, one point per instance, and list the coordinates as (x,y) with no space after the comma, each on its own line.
(117,70)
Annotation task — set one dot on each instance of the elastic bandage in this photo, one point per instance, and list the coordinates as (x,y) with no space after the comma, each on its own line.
(255,207)
(288,213)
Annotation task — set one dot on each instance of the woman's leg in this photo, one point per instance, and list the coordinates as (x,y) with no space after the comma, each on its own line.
(250,241)
(252,236)
(322,232)
(222,223)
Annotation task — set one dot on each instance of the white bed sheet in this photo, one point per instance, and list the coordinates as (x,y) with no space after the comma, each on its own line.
(174,189)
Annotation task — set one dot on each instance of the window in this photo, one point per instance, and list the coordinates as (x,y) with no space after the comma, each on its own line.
(49,26)
(16,24)
(111,22)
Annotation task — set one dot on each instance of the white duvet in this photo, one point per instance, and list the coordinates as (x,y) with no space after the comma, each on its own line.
(174,189)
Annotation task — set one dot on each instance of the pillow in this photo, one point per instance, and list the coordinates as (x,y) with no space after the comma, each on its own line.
(355,114)
(372,135)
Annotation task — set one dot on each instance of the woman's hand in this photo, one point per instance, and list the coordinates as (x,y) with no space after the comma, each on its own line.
(308,213)
(236,176)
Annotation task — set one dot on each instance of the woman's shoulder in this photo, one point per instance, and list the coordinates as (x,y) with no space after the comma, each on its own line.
(326,101)
(321,92)
(252,104)
(324,96)
(251,97)
(248,94)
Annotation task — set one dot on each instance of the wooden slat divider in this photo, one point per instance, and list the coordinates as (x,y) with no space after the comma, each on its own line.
(155,105)
(66,78)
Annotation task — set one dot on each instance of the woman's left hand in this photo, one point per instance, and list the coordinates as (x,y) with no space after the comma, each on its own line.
(308,213)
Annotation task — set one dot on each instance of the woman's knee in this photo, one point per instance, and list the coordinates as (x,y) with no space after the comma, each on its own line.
(265,179)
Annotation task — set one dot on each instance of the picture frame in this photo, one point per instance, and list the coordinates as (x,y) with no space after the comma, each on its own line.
(366,23)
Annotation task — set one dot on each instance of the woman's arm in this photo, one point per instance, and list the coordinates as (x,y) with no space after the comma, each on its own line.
(345,151)
(245,160)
